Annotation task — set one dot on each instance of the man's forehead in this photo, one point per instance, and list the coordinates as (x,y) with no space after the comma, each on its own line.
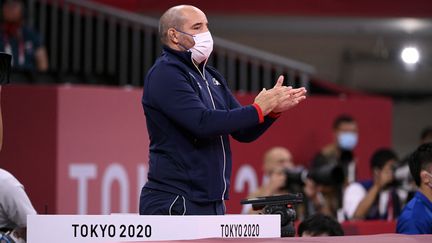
(194,16)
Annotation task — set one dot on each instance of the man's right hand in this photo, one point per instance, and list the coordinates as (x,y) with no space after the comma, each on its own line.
(384,178)
(267,100)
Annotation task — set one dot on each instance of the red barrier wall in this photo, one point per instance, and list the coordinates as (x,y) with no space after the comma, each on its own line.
(84,149)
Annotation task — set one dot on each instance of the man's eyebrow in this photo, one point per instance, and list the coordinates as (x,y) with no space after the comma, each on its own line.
(197,25)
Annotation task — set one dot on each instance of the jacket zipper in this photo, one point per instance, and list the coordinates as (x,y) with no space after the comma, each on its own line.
(221,139)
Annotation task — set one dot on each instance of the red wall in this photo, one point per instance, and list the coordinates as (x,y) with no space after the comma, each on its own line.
(29,143)
(354,8)
(84,149)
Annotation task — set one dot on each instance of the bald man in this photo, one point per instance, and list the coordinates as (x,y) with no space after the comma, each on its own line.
(190,113)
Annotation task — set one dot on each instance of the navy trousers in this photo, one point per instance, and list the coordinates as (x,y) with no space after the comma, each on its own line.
(154,202)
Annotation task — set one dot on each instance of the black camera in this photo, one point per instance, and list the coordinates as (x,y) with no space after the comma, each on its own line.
(329,175)
(282,205)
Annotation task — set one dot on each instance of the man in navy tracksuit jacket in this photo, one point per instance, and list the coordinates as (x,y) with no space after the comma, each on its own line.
(190,112)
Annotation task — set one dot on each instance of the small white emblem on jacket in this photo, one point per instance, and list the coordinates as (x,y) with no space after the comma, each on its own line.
(215,82)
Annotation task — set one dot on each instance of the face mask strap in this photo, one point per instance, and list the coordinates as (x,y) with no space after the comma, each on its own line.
(184,32)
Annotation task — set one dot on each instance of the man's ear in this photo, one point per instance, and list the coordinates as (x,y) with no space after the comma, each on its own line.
(172,36)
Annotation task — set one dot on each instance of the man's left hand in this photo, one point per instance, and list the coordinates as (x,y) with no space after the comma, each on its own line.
(291,98)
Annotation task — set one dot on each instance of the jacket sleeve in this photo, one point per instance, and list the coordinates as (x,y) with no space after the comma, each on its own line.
(170,91)
(249,134)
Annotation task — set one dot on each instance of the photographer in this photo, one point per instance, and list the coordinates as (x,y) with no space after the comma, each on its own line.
(340,153)
(315,184)
(276,161)
(377,198)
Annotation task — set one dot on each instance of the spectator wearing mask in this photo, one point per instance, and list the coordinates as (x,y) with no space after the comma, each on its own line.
(416,217)
(340,152)
(19,40)
(376,198)
(345,130)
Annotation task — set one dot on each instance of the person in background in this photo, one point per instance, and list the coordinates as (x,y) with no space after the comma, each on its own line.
(319,225)
(19,40)
(376,198)
(14,202)
(276,161)
(340,152)
(345,132)
(402,173)
(416,216)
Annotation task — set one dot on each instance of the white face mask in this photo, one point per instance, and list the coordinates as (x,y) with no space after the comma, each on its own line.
(203,46)
(347,140)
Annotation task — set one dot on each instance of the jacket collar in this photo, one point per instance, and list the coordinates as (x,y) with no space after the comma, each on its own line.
(184,56)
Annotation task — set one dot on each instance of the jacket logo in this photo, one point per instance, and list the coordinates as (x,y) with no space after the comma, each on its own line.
(216,82)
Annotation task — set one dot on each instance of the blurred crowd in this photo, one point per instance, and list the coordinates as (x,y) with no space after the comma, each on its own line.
(329,182)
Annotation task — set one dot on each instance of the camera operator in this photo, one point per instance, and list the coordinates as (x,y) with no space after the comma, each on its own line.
(340,153)
(345,131)
(276,161)
(314,184)
(377,198)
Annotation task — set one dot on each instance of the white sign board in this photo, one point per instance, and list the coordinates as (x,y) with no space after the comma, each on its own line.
(130,227)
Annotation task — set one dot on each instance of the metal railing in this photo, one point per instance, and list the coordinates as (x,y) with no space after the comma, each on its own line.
(112,46)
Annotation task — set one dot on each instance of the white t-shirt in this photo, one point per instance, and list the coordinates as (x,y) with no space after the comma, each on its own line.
(354,194)
(14,202)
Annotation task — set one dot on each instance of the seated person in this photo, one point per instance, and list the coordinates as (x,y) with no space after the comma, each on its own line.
(276,161)
(319,225)
(377,198)
(416,217)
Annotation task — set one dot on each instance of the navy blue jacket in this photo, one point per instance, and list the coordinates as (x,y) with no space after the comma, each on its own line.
(190,112)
